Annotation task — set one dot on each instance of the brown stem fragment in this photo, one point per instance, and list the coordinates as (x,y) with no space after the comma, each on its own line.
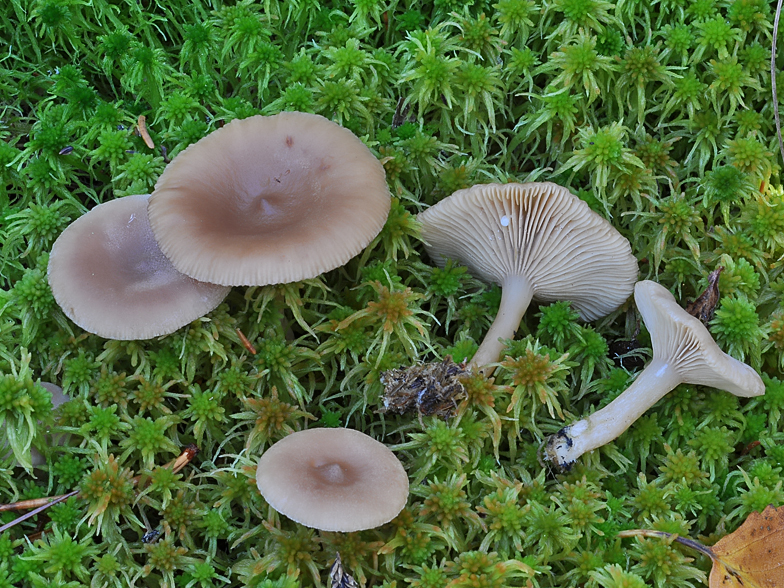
(41,504)
(704,305)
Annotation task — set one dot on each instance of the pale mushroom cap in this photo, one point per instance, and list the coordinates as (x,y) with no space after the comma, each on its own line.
(110,278)
(538,230)
(58,399)
(58,396)
(682,341)
(269,200)
(36,459)
(333,480)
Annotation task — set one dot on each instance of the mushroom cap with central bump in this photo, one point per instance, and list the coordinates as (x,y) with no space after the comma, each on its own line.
(269,200)
(110,278)
(333,479)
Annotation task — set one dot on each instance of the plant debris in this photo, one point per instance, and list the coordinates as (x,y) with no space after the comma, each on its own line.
(431,389)
(751,557)
(141,127)
(338,577)
(704,305)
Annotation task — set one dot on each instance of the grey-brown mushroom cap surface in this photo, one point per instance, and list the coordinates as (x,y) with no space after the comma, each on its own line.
(110,278)
(333,480)
(539,230)
(269,200)
(683,342)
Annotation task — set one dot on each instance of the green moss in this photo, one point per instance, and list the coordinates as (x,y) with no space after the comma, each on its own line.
(656,114)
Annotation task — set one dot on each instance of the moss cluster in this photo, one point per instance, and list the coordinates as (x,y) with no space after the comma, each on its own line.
(658,113)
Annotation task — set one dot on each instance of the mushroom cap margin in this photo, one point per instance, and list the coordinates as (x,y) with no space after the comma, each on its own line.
(110,278)
(269,200)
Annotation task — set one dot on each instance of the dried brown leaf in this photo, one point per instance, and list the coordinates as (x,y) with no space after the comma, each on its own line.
(703,307)
(752,556)
(141,126)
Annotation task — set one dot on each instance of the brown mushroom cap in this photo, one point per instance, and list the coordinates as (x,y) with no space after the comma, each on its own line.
(541,231)
(269,200)
(110,278)
(333,480)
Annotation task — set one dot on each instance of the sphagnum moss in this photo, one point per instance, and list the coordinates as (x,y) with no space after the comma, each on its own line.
(608,96)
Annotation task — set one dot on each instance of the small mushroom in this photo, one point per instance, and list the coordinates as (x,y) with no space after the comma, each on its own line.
(36,458)
(110,278)
(333,480)
(58,399)
(683,353)
(269,200)
(536,240)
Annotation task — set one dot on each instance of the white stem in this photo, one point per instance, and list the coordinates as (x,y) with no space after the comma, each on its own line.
(516,294)
(598,429)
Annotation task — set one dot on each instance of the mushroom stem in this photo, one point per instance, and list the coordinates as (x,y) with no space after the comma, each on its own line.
(657,379)
(516,295)
(683,352)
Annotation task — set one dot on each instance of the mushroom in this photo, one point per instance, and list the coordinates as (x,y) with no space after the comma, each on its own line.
(536,240)
(58,399)
(36,458)
(333,480)
(269,200)
(683,353)
(110,278)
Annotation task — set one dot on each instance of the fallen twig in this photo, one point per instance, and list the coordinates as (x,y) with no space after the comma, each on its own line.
(41,504)
(32,513)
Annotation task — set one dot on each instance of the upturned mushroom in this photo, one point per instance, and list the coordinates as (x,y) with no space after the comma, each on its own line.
(110,278)
(269,200)
(333,480)
(683,353)
(538,241)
